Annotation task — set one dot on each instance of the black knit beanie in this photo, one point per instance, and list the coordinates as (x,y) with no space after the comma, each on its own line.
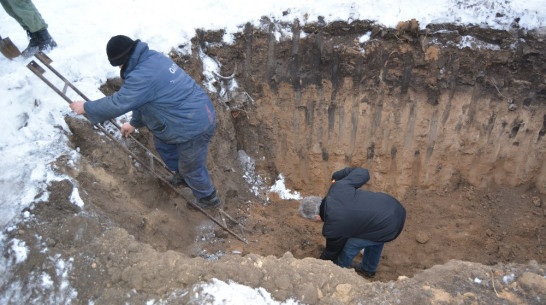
(119,49)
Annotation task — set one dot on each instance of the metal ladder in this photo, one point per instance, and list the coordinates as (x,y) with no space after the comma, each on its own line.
(161,171)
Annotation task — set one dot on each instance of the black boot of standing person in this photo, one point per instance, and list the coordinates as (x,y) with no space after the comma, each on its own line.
(30,19)
(39,41)
(177,180)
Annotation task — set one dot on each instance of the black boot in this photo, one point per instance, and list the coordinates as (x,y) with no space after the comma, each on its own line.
(39,41)
(177,180)
(210,202)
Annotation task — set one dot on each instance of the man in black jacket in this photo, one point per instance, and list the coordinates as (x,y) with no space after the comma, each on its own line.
(358,219)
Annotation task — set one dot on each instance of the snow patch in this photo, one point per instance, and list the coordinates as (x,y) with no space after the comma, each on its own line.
(508,279)
(473,43)
(365,37)
(18,250)
(75,197)
(255,181)
(210,66)
(220,293)
(284,193)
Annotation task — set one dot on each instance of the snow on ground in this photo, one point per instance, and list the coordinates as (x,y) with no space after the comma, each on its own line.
(220,292)
(33,115)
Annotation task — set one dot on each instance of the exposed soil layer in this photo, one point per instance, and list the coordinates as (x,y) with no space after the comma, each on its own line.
(456,134)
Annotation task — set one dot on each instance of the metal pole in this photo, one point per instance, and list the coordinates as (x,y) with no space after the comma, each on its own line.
(47,61)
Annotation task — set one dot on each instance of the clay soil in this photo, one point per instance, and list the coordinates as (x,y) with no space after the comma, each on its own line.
(135,233)
(489,226)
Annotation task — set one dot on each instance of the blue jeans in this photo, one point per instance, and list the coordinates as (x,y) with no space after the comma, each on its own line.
(189,159)
(370,259)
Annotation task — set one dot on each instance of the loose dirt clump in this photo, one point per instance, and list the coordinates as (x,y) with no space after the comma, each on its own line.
(448,119)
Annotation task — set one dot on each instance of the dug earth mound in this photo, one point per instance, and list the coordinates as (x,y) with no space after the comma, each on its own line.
(449,119)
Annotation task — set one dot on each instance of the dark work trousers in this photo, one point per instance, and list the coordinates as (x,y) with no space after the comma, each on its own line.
(189,159)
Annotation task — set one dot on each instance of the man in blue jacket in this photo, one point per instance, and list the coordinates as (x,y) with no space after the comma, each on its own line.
(358,219)
(170,104)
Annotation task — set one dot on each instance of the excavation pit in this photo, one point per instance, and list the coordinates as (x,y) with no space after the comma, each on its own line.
(455,132)
(431,121)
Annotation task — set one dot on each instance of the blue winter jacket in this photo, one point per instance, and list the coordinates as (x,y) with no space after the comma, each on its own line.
(161,96)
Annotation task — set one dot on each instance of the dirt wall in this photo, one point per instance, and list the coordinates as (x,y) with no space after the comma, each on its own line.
(414,106)
(405,143)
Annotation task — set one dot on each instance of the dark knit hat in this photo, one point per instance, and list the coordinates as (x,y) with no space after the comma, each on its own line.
(119,49)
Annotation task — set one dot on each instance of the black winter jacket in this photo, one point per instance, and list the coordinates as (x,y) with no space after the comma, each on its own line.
(349,212)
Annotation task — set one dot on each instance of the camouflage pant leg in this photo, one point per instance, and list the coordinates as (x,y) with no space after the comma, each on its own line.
(25,13)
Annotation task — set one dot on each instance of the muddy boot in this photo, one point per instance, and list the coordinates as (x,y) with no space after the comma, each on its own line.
(210,202)
(39,41)
(177,180)
(358,268)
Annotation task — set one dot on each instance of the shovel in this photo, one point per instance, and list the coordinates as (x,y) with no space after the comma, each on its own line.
(8,48)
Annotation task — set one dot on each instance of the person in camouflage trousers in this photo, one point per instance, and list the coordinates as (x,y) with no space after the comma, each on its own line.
(30,19)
